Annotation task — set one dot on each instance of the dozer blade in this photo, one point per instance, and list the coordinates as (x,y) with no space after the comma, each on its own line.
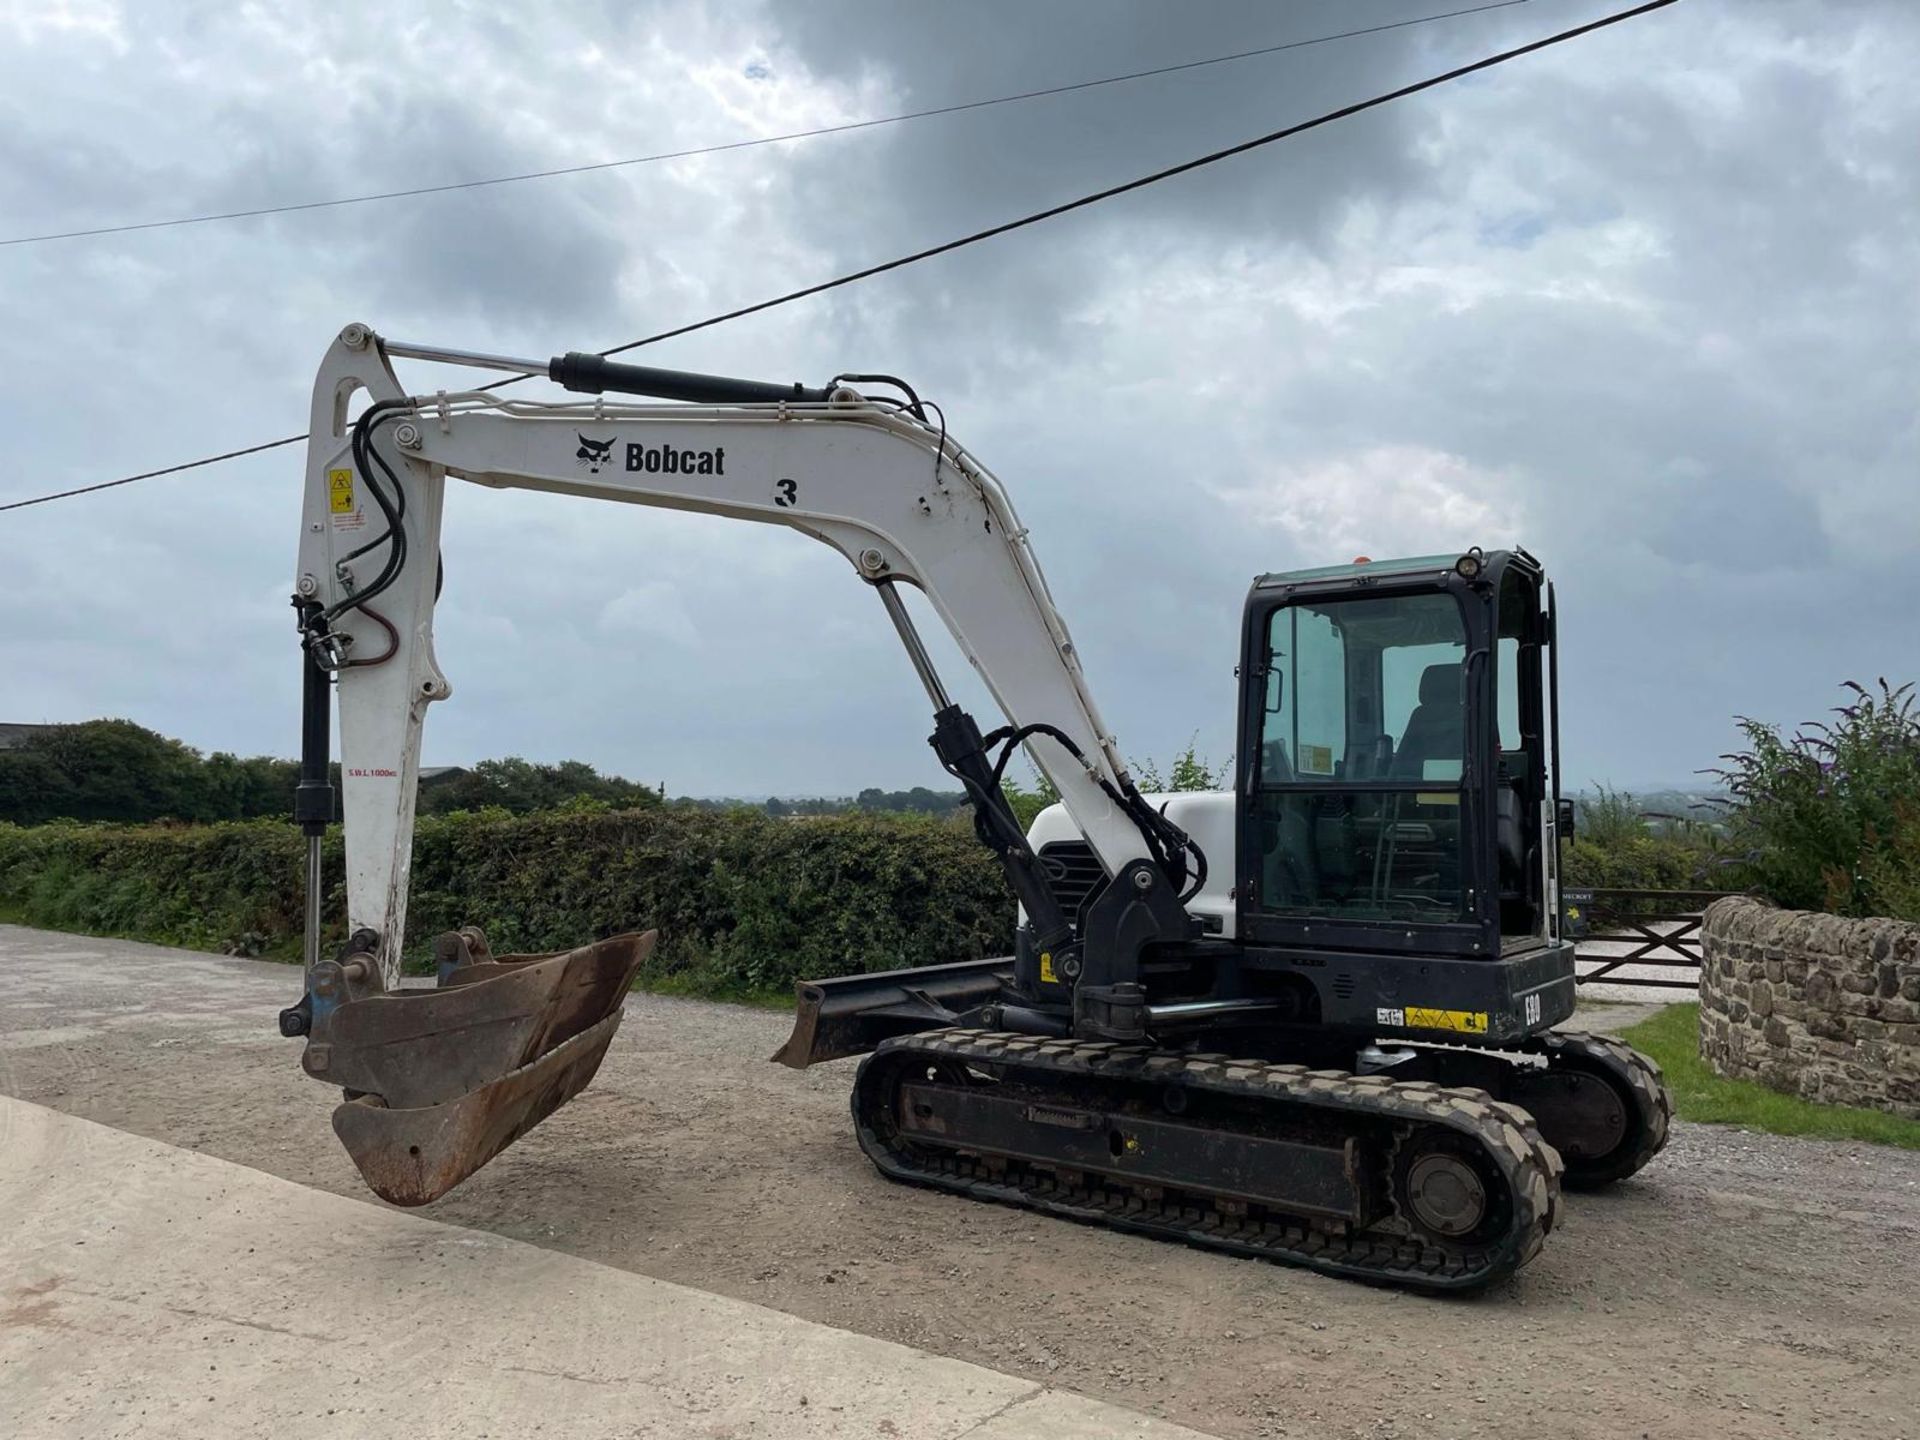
(440,1081)
(851,1014)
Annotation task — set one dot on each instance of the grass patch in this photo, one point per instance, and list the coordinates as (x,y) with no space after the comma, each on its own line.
(1673,1039)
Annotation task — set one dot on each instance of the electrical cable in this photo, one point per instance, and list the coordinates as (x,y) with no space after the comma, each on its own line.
(155,474)
(814,133)
(1035,218)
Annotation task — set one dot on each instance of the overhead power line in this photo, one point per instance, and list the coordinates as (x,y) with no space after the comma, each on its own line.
(1212,158)
(151,474)
(818,131)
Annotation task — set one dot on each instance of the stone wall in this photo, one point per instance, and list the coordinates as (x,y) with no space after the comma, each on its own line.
(1816,1005)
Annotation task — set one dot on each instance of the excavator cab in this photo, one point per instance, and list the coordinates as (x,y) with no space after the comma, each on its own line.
(1387,867)
(1400,737)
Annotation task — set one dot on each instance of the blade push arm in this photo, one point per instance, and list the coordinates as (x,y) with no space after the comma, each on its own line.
(887,490)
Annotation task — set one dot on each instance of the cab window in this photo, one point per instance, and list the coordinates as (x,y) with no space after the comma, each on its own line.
(1362,756)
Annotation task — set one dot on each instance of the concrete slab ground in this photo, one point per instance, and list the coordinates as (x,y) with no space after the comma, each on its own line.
(156,1292)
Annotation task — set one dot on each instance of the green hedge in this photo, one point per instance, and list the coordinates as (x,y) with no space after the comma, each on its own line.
(745,904)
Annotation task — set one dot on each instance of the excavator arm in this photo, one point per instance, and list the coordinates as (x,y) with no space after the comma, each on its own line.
(870,476)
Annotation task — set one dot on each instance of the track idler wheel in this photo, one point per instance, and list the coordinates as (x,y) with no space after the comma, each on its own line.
(440,1081)
(1602,1104)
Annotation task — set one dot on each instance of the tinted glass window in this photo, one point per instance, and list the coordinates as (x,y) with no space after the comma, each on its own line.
(1363,743)
(1305,735)
(1365,689)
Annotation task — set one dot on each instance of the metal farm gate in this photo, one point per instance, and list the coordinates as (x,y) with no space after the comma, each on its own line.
(1622,934)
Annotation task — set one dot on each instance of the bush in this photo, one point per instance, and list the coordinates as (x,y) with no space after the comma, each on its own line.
(1609,819)
(1830,819)
(1637,862)
(744,903)
(1615,847)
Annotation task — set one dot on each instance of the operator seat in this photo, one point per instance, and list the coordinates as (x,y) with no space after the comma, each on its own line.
(1437,728)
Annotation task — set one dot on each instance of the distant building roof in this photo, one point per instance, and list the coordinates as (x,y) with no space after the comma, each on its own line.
(440,772)
(12,735)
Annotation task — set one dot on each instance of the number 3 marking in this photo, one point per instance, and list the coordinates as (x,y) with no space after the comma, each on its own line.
(785,493)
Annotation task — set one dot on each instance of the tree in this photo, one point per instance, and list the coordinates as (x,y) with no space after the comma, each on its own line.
(523,786)
(917,801)
(1190,771)
(103,770)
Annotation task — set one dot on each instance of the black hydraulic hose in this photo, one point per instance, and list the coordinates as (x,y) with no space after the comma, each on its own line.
(394,510)
(913,399)
(1169,845)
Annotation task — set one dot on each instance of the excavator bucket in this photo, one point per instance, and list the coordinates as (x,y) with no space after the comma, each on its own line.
(440,1081)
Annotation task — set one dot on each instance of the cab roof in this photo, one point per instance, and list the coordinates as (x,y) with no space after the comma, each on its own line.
(1413,564)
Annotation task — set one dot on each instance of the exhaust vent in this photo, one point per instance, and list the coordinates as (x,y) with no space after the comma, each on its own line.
(1074,872)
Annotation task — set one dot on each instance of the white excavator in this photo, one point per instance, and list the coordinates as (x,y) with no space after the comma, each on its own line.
(1309,1020)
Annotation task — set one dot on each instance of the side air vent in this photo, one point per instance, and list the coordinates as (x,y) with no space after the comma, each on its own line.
(1343,985)
(1073,871)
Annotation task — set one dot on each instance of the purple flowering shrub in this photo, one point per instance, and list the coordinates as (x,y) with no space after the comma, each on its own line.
(1829,819)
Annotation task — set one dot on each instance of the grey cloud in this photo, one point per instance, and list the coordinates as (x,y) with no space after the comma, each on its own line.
(1660,286)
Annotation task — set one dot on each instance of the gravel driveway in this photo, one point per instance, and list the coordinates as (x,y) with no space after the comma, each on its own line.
(1744,1285)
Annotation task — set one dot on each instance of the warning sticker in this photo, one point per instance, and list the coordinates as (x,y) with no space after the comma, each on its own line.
(1463,1022)
(340,492)
(1047,977)
(1316,759)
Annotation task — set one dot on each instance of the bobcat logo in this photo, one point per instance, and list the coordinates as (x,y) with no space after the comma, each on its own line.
(592,454)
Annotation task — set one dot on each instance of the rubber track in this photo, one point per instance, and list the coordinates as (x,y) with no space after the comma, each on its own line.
(1652,1098)
(1389,1251)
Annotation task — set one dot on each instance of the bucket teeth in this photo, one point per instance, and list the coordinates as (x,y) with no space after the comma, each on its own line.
(440,1081)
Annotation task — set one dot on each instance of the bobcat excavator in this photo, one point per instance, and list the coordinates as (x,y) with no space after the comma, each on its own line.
(1310,1020)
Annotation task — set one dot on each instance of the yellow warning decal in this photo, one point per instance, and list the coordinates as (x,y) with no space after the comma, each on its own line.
(1465,1022)
(340,492)
(1047,977)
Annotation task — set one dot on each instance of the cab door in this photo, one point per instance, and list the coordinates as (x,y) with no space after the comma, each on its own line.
(1361,806)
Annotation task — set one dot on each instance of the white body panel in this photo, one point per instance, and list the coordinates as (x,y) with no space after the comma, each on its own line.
(1206,815)
(898,499)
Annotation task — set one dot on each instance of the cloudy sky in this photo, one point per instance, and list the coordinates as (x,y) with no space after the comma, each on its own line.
(1646,304)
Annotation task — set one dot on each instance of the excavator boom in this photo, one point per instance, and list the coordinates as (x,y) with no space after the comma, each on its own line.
(873,478)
